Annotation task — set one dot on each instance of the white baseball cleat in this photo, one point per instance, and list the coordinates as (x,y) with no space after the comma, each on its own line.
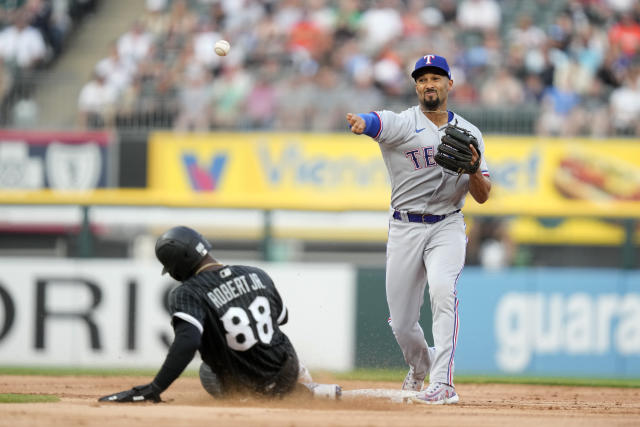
(326,391)
(412,382)
(437,394)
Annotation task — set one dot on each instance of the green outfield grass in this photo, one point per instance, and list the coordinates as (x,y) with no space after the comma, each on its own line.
(358,374)
(27,398)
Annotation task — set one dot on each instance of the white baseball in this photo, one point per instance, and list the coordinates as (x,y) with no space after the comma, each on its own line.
(222,47)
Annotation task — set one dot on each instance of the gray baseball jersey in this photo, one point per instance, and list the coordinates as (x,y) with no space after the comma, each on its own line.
(408,141)
(421,252)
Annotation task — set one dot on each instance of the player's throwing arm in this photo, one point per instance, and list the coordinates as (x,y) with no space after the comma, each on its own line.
(356,123)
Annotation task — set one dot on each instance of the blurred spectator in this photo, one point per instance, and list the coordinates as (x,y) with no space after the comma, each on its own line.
(379,25)
(592,117)
(621,6)
(194,101)
(362,94)
(412,20)
(307,36)
(612,69)
(448,9)
(561,31)
(388,72)
(229,92)
(181,19)
(40,14)
(489,243)
(347,20)
(533,89)
(116,70)
(559,109)
(155,20)
(626,35)
(526,35)
(322,15)
(22,45)
(588,48)
(502,89)
(295,103)
(25,113)
(78,9)
(327,103)
(96,103)
(625,105)
(135,44)
(559,58)
(261,104)
(463,92)
(203,41)
(483,56)
(482,15)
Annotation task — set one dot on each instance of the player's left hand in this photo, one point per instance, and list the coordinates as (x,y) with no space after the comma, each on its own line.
(141,393)
(458,151)
(475,156)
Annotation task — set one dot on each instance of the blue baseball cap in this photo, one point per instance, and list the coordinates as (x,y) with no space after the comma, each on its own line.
(431,61)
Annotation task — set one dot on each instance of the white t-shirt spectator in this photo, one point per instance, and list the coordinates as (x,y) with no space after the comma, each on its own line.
(134,45)
(527,35)
(380,26)
(479,14)
(23,46)
(625,106)
(96,97)
(202,48)
(116,71)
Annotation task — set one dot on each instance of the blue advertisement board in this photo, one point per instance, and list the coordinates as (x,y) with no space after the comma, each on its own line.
(549,322)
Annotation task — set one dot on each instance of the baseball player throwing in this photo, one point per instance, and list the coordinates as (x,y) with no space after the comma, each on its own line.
(232,315)
(433,157)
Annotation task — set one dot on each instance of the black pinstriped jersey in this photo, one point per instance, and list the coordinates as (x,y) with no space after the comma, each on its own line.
(238,310)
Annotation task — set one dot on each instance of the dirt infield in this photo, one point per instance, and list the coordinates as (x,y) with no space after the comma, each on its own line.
(187,404)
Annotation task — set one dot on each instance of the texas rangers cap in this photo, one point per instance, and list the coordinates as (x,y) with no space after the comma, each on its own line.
(431,61)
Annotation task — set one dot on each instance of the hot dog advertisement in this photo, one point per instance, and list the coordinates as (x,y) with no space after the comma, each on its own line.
(562,177)
(582,176)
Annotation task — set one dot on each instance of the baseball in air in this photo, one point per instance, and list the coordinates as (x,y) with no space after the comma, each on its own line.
(222,47)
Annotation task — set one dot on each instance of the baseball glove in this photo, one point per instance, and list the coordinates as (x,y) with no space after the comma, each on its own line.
(454,153)
(141,393)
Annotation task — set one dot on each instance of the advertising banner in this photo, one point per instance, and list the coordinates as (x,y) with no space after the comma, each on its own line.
(550,322)
(530,176)
(302,171)
(341,171)
(62,161)
(563,176)
(107,313)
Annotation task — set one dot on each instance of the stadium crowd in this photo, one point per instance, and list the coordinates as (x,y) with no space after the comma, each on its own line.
(300,64)
(33,33)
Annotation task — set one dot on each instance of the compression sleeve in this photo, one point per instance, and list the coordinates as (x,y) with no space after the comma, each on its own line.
(184,347)
(372,124)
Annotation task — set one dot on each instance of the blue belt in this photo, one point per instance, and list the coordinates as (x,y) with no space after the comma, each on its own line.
(424,218)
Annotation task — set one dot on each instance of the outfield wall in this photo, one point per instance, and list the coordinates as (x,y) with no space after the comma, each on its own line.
(548,322)
(114,313)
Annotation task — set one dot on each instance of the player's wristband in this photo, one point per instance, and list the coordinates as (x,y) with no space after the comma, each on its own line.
(372,124)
